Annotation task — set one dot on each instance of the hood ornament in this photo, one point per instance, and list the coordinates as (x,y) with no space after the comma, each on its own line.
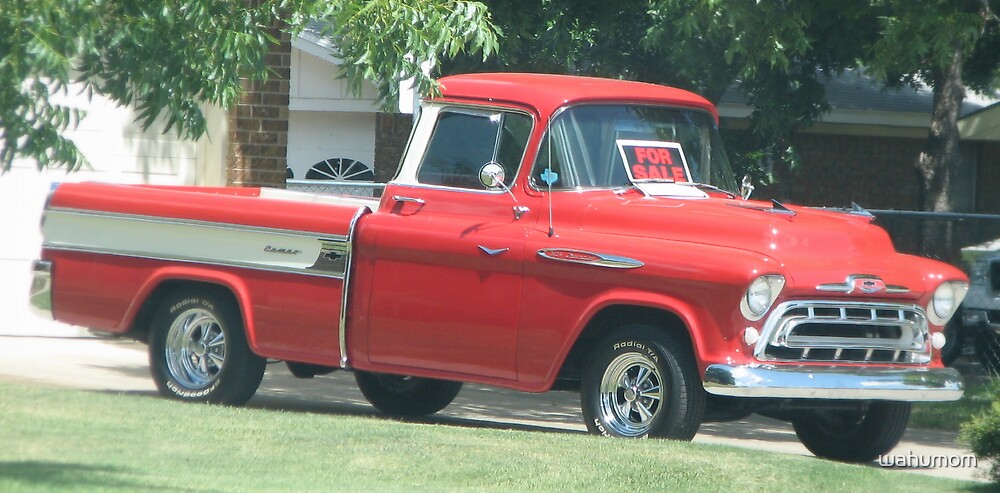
(864,284)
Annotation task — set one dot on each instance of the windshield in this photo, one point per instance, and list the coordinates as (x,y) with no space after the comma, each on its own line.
(611,146)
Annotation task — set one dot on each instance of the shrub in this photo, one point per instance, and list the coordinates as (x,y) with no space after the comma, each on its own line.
(983,433)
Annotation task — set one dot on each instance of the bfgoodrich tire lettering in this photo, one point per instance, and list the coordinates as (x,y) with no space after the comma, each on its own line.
(642,382)
(854,436)
(406,396)
(198,350)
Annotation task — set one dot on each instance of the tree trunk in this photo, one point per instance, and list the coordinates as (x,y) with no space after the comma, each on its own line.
(939,161)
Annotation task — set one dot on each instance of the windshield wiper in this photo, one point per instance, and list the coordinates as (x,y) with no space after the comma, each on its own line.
(706,186)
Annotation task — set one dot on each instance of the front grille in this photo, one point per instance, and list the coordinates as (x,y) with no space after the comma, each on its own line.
(848,332)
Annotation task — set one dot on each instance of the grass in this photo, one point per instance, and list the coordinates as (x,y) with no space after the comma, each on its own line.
(59,440)
(979,396)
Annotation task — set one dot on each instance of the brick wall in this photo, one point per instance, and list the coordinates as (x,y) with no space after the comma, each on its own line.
(835,170)
(258,124)
(392,130)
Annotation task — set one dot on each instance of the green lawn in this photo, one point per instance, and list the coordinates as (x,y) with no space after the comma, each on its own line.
(59,440)
(979,396)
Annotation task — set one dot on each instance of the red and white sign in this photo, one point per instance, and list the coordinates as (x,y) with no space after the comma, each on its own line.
(653,160)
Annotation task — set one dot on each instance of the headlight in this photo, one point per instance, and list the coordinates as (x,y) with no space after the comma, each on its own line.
(946,299)
(760,296)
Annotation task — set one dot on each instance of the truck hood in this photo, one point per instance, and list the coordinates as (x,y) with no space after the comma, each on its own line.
(815,246)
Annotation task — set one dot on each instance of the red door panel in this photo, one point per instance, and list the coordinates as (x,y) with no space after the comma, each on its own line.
(447,280)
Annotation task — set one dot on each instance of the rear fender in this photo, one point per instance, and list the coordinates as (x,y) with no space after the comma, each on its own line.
(145,299)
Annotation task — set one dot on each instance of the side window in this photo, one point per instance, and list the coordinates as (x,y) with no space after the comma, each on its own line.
(462,142)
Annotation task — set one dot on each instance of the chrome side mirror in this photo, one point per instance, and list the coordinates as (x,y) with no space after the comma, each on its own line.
(746,187)
(492,175)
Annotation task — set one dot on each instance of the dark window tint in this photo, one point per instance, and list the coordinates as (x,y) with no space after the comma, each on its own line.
(463,142)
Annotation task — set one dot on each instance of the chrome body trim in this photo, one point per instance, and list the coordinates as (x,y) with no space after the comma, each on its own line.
(349,251)
(192,260)
(195,222)
(493,251)
(582,257)
(40,297)
(198,242)
(865,283)
(845,332)
(819,382)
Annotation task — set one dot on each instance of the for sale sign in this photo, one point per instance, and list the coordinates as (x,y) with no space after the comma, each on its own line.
(653,160)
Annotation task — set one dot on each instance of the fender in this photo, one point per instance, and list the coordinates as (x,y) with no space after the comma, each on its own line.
(706,337)
(232,282)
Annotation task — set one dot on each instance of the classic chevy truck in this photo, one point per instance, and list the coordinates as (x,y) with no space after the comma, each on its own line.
(542,232)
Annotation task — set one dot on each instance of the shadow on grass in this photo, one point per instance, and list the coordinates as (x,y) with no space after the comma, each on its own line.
(75,477)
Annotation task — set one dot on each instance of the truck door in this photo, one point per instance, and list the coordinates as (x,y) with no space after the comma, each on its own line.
(449,253)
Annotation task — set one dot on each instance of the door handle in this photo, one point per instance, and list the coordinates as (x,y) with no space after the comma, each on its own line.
(400,198)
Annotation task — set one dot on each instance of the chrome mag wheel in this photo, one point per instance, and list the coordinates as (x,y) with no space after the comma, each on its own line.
(195,349)
(631,394)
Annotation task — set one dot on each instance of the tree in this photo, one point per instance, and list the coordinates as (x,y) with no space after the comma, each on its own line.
(931,42)
(772,50)
(168,57)
(777,53)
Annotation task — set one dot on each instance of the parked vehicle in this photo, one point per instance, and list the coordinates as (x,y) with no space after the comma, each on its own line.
(981,311)
(541,232)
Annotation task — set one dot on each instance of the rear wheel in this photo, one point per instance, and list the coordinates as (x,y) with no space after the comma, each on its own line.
(642,382)
(404,395)
(198,350)
(854,436)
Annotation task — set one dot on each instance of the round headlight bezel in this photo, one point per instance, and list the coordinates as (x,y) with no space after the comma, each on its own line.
(760,296)
(945,301)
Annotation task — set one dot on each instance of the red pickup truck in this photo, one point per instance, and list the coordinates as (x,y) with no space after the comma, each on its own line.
(541,232)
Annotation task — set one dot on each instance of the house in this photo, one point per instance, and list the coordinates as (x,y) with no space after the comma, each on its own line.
(304,123)
(865,148)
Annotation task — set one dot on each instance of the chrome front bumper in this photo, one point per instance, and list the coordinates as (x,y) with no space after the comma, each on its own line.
(41,289)
(817,382)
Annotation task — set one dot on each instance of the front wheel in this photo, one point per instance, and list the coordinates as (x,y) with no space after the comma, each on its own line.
(198,351)
(642,382)
(404,395)
(854,436)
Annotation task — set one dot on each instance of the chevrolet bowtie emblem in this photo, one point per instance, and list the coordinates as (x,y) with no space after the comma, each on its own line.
(862,283)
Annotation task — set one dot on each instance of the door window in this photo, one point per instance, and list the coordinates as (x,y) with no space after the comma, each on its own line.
(464,141)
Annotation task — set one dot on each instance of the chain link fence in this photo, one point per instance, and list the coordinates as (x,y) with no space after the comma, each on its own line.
(353,188)
(971,242)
